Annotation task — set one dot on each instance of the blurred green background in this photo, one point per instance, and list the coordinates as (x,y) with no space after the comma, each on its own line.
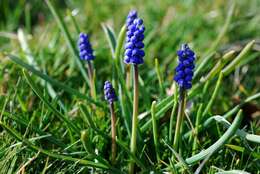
(168,23)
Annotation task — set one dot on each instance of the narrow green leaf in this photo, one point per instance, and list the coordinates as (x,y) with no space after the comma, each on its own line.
(31,60)
(217,68)
(219,143)
(119,43)
(214,95)
(16,135)
(54,110)
(159,114)
(25,122)
(90,122)
(110,35)
(230,67)
(242,149)
(53,81)
(179,157)
(155,135)
(232,111)
(241,133)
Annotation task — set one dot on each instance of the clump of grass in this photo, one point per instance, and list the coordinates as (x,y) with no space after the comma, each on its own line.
(51,122)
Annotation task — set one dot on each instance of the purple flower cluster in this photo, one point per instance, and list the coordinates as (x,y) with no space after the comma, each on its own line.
(85,49)
(184,71)
(109,91)
(134,40)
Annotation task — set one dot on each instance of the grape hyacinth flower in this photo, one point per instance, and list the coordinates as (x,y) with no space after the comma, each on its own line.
(109,92)
(85,48)
(183,77)
(86,53)
(110,96)
(134,54)
(184,71)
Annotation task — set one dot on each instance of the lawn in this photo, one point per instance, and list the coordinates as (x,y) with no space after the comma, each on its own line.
(129,86)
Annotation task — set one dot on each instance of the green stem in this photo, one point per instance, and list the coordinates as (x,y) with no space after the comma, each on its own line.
(128,77)
(92,80)
(172,115)
(113,132)
(214,95)
(134,119)
(155,136)
(157,68)
(180,116)
(198,118)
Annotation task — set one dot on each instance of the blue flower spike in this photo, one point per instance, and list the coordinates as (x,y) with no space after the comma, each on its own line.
(110,96)
(86,53)
(109,91)
(85,48)
(134,52)
(184,71)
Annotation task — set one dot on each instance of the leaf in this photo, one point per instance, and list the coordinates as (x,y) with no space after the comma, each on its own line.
(90,122)
(110,35)
(162,107)
(179,157)
(54,110)
(53,81)
(242,149)
(230,67)
(25,122)
(17,136)
(218,144)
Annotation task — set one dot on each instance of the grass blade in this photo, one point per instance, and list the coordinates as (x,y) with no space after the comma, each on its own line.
(53,81)
(54,110)
(179,157)
(214,95)
(110,35)
(230,67)
(240,133)
(218,144)
(159,113)
(48,153)
(90,122)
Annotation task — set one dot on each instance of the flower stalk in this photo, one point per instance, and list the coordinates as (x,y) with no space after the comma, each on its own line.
(128,77)
(183,77)
(155,135)
(110,96)
(134,54)
(134,118)
(113,132)
(91,75)
(180,116)
(86,53)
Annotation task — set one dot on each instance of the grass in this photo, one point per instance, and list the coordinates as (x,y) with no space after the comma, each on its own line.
(49,122)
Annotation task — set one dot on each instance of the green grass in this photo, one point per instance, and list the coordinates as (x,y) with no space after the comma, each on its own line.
(49,123)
